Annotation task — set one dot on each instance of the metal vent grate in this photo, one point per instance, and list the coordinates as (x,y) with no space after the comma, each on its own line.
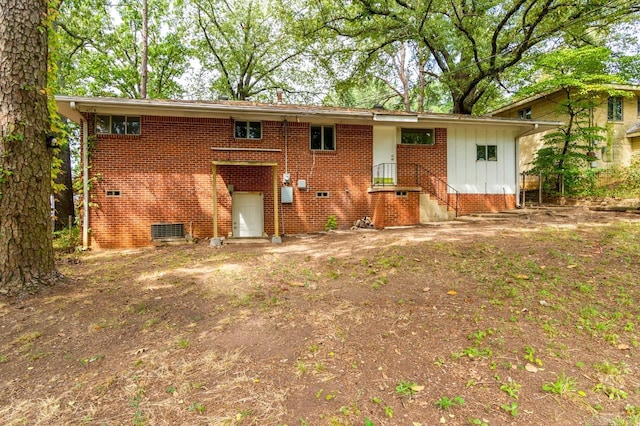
(160,231)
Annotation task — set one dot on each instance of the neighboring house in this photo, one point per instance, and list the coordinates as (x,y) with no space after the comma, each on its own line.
(157,169)
(619,115)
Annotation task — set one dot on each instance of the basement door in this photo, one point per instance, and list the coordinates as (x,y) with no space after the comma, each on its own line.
(384,155)
(248,214)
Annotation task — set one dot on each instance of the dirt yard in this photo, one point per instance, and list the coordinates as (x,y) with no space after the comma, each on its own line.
(528,319)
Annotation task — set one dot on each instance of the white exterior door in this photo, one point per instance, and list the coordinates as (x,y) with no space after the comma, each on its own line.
(248,214)
(384,155)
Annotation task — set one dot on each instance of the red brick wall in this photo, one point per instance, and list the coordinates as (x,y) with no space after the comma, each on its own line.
(477,203)
(431,157)
(164,175)
(390,209)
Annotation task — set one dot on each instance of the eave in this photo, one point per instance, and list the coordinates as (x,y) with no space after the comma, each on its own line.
(73,107)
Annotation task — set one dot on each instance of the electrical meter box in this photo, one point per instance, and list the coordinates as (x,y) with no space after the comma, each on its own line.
(286,194)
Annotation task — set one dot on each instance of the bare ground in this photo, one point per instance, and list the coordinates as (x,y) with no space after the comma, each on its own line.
(527,319)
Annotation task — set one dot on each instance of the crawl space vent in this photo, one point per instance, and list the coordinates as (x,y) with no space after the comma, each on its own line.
(167,231)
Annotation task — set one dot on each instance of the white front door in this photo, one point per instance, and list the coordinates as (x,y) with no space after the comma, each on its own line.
(384,155)
(248,214)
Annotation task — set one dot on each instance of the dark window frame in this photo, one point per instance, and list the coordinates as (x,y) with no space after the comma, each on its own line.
(525,113)
(486,152)
(323,145)
(414,136)
(615,108)
(248,126)
(127,122)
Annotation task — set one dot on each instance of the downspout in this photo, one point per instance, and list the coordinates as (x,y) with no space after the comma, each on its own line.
(517,162)
(85,179)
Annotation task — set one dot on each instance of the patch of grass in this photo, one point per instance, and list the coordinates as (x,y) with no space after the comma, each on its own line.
(530,355)
(197,407)
(446,403)
(611,391)
(183,343)
(563,385)
(612,368)
(511,408)
(406,388)
(26,338)
(91,359)
(473,352)
(511,388)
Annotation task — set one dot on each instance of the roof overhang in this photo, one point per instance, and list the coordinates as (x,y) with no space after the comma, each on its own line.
(530,99)
(73,107)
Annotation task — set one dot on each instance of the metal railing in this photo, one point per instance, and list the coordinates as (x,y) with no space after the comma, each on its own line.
(411,174)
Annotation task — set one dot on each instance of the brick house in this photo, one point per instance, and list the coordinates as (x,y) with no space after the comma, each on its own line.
(619,115)
(157,169)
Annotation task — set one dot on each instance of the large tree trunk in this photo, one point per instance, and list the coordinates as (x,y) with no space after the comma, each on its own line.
(26,252)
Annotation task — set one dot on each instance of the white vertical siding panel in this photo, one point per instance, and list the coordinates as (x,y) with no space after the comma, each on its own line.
(469,176)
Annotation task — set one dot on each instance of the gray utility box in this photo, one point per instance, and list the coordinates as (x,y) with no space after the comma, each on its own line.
(286,194)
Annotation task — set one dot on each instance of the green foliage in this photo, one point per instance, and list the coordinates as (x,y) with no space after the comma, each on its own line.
(99,47)
(197,407)
(446,403)
(406,388)
(331,224)
(465,46)
(512,388)
(250,48)
(511,408)
(562,385)
(580,75)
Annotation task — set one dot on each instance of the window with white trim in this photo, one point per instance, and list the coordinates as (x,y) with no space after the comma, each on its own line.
(248,130)
(323,138)
(486,153)
(118,124)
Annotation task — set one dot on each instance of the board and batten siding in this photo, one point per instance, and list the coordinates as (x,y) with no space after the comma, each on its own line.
(470,176)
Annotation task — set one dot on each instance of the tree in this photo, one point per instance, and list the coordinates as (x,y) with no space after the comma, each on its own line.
(251,48)
(104,48)
(582,77)
(470,43)
(26,251)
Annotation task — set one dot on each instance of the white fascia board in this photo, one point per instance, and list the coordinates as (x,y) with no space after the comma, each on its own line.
(192,109)
(393,118)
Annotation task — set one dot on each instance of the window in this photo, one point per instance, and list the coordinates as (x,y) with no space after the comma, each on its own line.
(248,130)
(322,194)
(614,108)
(486,152)
(417,137)
(118,124)
(401,193)
(113,193)
(524,113)
(323,138)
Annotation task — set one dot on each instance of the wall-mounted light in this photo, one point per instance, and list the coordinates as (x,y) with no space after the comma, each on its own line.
(52,142)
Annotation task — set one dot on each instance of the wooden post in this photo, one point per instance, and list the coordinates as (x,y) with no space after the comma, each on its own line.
(524,190)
